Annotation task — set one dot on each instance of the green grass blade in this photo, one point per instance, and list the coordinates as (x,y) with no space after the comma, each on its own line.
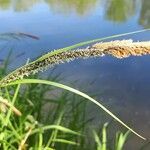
(65,141)
(104,137)
(13,101)
(120,140)
(27,81)
(40,143)
(56,127)
(55,132)
(97,140)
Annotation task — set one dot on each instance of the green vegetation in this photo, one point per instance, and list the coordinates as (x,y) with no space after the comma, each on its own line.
(32,118)
(45,122)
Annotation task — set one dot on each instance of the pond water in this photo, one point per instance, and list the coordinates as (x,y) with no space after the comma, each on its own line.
(122,85)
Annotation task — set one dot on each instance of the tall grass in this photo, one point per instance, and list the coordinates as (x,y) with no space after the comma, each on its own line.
(62,125)
(42,119)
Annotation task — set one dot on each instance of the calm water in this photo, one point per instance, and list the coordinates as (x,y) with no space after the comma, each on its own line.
(122,85)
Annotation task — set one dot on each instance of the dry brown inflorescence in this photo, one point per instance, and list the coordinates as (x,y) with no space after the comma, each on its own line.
(124,48)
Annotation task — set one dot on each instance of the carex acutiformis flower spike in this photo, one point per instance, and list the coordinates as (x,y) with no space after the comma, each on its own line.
(118,49)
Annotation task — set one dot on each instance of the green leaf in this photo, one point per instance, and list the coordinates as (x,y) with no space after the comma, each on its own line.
(62,86)
(51,127)
(65,141)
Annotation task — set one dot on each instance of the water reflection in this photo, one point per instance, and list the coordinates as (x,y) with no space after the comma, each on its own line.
(5,4)
(81,7)
(120,10)
(18,5)
(24,5)
(114,10)
(145,14)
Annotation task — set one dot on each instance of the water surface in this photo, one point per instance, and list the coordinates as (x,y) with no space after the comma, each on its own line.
(123,85)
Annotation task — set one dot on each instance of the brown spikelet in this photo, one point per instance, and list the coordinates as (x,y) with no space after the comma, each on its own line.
(5,104)
(125,48)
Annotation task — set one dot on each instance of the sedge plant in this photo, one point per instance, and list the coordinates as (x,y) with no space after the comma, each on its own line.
(29,128)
